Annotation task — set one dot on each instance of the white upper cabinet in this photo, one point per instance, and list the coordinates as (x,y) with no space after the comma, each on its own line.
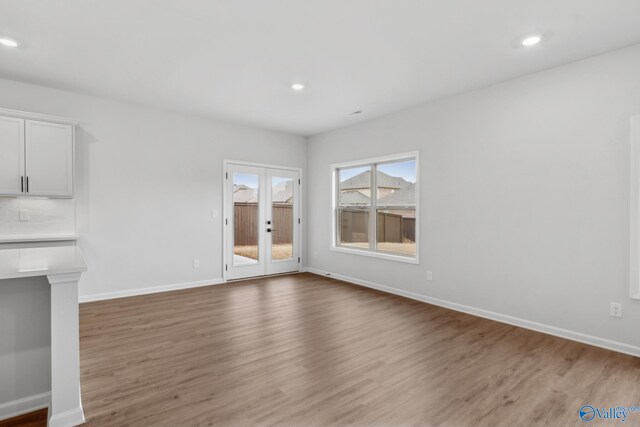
(36,157)
(49,159)
(11,156)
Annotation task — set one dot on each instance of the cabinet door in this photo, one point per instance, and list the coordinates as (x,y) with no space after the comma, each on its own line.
(11,156)
(49,154)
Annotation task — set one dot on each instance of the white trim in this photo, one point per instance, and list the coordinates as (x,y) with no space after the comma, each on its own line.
(70,418)
(634,225)
(37,116)
(379,159)
(25,405)
(225,162)
(499,317)
(224,218)
(64,278)
(333,243)
(25,238)
(149,290)
(376,254)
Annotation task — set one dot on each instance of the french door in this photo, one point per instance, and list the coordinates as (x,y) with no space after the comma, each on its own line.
(262,220)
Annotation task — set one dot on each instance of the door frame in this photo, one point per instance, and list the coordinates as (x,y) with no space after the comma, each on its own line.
(227,162)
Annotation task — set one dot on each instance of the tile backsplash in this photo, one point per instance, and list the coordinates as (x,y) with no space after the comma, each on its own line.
(40,216)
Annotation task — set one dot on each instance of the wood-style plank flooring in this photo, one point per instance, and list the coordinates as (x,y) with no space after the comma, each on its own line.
(304,350)
(31,419)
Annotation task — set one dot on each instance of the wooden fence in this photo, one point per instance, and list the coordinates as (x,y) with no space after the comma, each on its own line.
(355,223)
(391,228)
(246,225)
(409,229)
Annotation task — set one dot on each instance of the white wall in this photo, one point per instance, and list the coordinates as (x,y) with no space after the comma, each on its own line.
(147,181)
(524,194)
(146,184)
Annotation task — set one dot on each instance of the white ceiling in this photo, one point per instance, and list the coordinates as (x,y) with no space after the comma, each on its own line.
(236,59)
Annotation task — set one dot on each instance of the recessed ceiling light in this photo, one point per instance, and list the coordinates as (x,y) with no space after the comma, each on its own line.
(297,87)
(531,41)
(8,42)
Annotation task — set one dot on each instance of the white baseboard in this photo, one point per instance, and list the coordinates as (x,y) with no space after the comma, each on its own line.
(71,418)
(24,405)
(515,321)
(149,290)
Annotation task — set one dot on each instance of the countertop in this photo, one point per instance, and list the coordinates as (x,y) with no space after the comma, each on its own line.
(30,262)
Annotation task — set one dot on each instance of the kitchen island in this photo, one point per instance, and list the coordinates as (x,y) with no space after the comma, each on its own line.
(62,266)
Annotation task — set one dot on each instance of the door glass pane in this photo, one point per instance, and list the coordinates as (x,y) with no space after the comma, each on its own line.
(282,219)
(396,213)
(245,218)
(354,199)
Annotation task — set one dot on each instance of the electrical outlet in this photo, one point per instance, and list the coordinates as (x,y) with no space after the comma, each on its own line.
(429,276)
(615,309)
(214,213)
(196,263)
(24,215)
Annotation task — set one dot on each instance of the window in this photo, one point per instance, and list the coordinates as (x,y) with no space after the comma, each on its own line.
(375,207)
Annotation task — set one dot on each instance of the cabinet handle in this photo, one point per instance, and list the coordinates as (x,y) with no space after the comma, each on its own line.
(22,184)
(27,184)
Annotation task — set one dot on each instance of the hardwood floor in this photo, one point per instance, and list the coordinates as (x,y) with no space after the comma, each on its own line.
(304,350)
(32,419)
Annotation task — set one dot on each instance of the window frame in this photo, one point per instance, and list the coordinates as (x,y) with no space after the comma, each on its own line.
(372,251)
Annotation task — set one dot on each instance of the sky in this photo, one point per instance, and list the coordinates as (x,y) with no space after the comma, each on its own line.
(406,170)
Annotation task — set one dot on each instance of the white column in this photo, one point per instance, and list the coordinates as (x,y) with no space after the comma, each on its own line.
(66,402)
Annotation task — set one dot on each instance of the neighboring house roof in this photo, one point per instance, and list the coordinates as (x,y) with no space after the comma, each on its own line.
(244,194)
(353,197)
(403,197)
(283,193)
(363,180)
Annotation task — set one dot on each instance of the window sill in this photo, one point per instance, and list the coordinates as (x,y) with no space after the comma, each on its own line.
(380,255)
